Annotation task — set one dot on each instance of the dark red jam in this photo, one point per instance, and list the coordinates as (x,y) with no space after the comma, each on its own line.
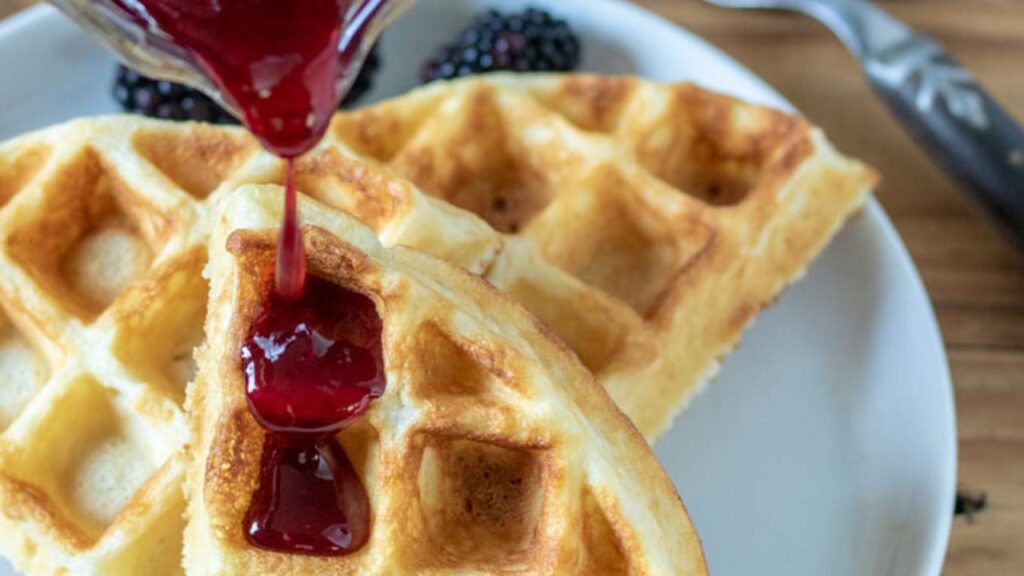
(310,499)
(311,366)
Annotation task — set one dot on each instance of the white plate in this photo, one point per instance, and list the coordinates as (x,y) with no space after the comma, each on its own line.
(827,446)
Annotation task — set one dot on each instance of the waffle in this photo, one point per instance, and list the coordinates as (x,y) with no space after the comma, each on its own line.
(645,224)
(101,302)
(492,449)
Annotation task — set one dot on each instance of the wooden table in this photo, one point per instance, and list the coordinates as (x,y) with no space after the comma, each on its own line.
(975,279)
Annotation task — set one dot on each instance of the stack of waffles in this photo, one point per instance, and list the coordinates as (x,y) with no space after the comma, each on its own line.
(645,225)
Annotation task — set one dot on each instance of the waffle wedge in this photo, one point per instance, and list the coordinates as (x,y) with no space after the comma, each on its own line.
(492,449)
(645,224)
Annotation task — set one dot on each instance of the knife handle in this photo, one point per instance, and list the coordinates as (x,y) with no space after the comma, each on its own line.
(960,125)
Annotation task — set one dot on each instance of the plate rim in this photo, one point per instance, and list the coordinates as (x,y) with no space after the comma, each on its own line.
(41,14)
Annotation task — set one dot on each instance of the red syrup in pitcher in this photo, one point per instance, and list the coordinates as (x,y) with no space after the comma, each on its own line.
(279,63)
(312,359)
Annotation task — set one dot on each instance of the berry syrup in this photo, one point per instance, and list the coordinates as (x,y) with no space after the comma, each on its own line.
(278,62)
(310,499)
(290,273)
(312,359)
(311,366)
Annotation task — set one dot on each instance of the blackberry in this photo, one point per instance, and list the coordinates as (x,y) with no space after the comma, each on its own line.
(530,41)
(140,94)
(162,99)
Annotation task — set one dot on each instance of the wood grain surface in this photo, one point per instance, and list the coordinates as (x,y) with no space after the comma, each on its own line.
(974,277)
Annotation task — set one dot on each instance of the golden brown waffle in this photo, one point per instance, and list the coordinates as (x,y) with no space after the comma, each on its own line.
(645,224)
(492,449)
(101,303)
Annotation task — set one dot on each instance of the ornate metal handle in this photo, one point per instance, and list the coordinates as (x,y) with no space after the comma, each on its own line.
(963,128)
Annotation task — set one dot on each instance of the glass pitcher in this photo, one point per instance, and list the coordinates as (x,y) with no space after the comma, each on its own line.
(140,44)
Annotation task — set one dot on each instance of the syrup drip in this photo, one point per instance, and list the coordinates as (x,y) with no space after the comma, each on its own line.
(311,366)
(310,499)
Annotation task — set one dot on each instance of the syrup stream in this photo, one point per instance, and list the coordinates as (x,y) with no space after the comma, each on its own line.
(309,500)
(290,272)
